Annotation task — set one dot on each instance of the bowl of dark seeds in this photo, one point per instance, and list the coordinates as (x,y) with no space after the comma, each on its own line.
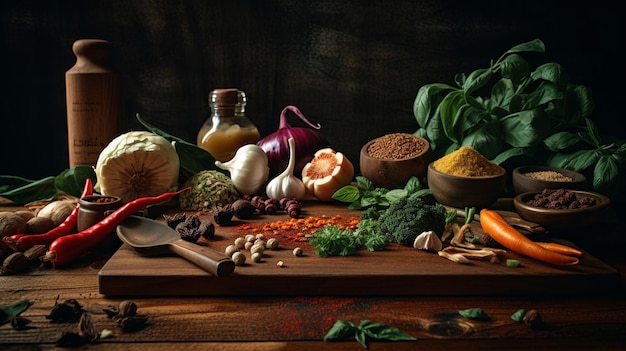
(561,208)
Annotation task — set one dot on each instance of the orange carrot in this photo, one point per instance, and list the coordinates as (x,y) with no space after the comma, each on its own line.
(509,237)
(563,249)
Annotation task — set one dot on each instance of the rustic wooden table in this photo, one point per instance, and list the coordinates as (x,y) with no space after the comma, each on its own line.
(574,322)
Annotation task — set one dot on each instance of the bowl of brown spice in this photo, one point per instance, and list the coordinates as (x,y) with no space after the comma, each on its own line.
(561,208)
(537,178)
(390,160)
(465,178)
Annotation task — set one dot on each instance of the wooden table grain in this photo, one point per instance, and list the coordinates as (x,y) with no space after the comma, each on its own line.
(586,322)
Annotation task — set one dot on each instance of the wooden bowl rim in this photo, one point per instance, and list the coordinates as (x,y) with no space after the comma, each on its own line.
(577,177)
(452,176)
(602,201)
(421,154)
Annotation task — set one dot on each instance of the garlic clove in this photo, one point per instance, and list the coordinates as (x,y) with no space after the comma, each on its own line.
(428,241)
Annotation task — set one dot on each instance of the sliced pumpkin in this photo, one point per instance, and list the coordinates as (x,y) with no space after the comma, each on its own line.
(327,172)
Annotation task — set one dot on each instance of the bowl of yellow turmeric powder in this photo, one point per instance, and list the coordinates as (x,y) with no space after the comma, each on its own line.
(465,178)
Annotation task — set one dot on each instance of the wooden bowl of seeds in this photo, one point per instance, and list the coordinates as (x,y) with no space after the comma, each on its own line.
(390,160)
(535,179)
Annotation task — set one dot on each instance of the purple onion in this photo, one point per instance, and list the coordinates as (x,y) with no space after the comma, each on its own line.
(276,145)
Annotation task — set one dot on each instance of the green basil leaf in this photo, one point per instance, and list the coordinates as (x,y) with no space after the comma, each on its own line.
(477,79)
(361,337)
(551,72)
(535,45)
(525,128)
(546,92)
(340,330)
(448,111)
(605,172)
(583,96)
(580,160)
(561,140)
(474,313)
(487,139)
(467,120)
(348,193)
(518,316)
(509,154)
(502,93)
(515,69)
(364,183)
(428,97)
(412,185)
(8,312)
(395,194)
(380,331)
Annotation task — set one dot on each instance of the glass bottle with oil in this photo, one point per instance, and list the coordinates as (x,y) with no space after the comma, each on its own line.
(228,128)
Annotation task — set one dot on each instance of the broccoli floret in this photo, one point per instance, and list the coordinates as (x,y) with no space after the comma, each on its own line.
(408,217)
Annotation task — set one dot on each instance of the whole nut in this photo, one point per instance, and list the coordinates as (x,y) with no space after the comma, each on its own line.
(15,263)
(298,252)
(39,225)
(35,252)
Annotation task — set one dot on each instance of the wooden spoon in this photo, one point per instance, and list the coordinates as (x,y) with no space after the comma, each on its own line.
(151,238)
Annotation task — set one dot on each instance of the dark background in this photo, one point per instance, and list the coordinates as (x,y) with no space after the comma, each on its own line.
(353,66)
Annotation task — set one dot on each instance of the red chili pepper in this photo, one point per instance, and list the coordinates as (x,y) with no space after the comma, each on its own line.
(22,242)
(70,247)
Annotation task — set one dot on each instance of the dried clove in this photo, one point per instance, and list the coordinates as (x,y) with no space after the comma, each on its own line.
(173,220)
(127,308)
(20,323)
(132,323)
(126,316)
(68,311)
(86,328)
(533,319)
(188,229)
(223,215)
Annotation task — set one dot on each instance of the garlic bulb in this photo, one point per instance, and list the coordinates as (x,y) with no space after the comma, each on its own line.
(248,169)
(428,241)
(286,184)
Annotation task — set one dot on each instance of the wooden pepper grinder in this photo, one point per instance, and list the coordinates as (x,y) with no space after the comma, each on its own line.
(94,102)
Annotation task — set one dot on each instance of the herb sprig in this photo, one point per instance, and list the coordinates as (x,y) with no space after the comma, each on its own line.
(364,194)
(365,331)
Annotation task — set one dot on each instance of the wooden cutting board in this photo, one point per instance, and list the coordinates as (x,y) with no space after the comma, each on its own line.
(396,271)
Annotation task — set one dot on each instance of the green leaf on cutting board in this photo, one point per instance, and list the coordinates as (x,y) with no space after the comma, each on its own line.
(9,311)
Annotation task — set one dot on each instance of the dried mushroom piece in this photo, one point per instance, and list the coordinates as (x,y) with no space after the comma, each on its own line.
(193,228)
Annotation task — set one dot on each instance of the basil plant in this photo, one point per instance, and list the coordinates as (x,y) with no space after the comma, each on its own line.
(509,112)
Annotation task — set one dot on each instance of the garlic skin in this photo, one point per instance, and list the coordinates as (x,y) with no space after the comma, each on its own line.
(248,169)
(428,241)
(286,184)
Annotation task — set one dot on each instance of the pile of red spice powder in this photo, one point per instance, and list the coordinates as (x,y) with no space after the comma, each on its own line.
(297,231)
